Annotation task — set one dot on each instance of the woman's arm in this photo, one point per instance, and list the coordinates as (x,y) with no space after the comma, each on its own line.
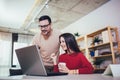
(86,67)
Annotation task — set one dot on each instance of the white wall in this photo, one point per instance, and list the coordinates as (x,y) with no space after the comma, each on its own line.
(106,15)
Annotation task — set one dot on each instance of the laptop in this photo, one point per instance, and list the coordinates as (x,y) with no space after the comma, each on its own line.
(31,62)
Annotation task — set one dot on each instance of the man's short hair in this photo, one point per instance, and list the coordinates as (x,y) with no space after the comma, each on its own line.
(45,17)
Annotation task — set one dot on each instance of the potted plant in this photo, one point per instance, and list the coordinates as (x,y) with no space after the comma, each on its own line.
(76,34)
(96,40)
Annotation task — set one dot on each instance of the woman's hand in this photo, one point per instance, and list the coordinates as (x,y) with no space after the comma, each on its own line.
(54,58)
(63,68)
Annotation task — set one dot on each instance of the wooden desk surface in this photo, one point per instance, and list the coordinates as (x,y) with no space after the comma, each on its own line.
(64,77)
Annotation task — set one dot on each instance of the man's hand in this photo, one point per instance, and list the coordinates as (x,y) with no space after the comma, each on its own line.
(54,57)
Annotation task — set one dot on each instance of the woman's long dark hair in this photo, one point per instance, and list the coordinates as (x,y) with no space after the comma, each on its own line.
(70,41)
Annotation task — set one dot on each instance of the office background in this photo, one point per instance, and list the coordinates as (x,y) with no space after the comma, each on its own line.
(106,15)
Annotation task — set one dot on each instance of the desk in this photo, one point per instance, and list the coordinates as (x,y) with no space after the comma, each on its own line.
(63,77)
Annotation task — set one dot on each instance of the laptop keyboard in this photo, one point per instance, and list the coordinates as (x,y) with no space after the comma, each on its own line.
(56,73)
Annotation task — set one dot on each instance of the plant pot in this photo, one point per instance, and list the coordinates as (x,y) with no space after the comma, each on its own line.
(96,43)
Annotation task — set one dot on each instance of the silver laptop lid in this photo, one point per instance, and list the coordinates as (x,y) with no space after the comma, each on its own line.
(30,60)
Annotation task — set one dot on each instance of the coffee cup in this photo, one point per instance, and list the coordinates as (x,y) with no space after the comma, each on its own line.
(61,65)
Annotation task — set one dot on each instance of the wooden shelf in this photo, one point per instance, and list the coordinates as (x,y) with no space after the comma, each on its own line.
(100,56)
(82,49)
(80,38)
(99,45)
(110,40)
(99,68)
(102,44)
(99,31)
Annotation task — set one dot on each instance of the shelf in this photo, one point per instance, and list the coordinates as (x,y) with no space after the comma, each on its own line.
(80,38)
(82,49)
(99,45)
(81,43)
(99,70)
(109,46)
(101,56)
(99,31)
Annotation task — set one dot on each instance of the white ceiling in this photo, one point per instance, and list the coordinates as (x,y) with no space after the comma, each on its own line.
(24,14)
(14,12)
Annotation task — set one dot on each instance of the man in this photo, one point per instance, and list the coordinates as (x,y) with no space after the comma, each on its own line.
(47,40)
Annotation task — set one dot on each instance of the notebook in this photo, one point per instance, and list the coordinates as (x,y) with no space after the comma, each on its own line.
(31,62)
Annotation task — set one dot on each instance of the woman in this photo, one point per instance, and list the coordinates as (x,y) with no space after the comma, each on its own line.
(73,59)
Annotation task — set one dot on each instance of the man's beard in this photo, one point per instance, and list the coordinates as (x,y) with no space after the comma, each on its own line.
(45,32)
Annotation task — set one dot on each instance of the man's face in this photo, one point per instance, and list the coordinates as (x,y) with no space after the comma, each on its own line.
(45,27)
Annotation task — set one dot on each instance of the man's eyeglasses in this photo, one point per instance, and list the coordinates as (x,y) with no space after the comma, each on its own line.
(44,26)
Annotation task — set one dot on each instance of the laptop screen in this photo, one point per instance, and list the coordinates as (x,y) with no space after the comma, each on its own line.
(30,60)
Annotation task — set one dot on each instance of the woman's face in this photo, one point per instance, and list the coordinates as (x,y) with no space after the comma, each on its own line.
(63,44)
